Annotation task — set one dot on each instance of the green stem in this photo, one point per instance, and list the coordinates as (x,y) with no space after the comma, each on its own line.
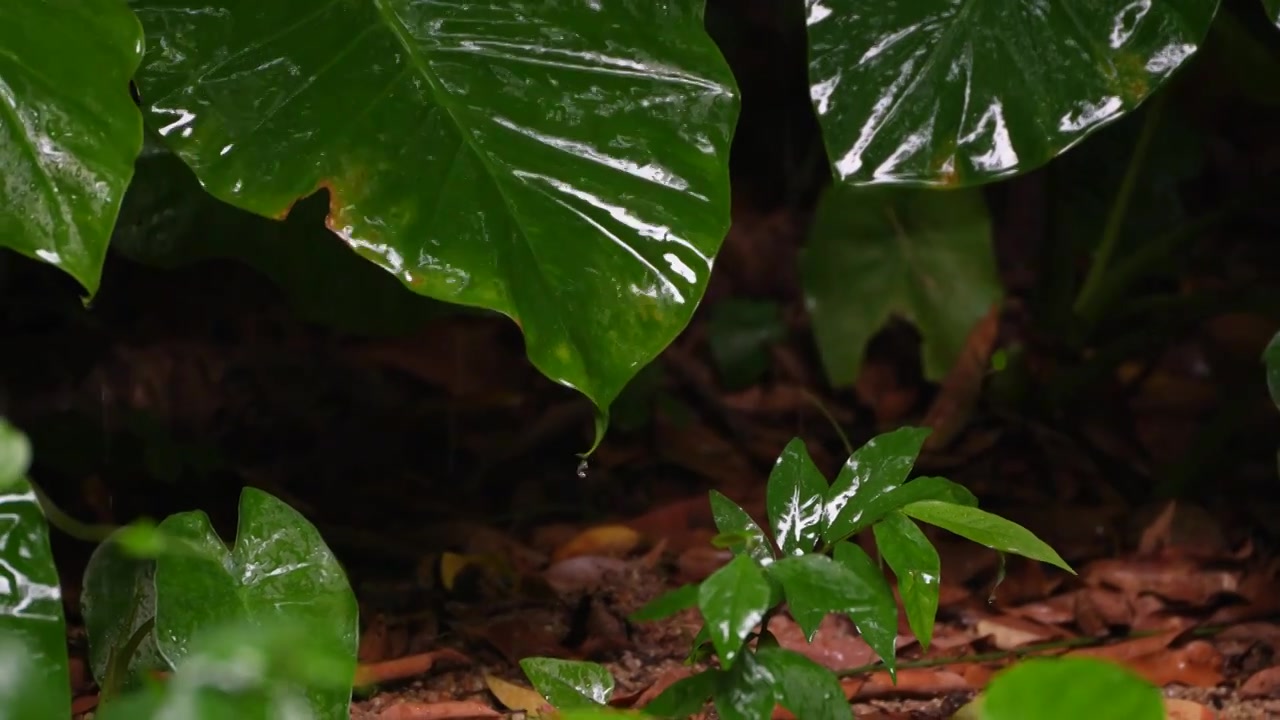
(813,399)
(1120,208)
(69,525)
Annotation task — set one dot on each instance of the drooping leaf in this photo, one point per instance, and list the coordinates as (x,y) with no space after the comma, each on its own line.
(33,634)
(1071,688)
(876,507)
(803,686)
(739,333)
(877,617)
(916,564)
(118,598)
(1273,10)
(746,692)
(795,497)
(734,522)
(733,600)
(871,471)
(1271,358)
(68,129)
(667,604)
(945,93)
(279,570)
(561,163)
(169,221)
(569,683)
(686,696)
(985,528)
(924,255)
(15,454)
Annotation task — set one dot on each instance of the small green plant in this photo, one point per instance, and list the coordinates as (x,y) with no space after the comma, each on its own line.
(811,565)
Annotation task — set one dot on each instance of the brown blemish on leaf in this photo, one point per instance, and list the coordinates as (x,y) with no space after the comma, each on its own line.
(1130,81)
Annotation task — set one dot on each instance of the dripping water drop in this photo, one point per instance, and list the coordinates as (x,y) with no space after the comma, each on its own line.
(582,468)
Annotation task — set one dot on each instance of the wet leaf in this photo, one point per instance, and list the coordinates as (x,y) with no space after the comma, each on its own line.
(1069,689)
(746,691)
(1273,10)
(516,697)
(942,93)
(569,683)
(69,131)
(984,528)
(734,522)
(667,604)
(916,564)
(739,333)
(118,598)
(876,618)
(795,498)
(873,470)
(561,163)
(33,634)
(924,255)
(686,696)
(1270,357)
(733,601)
(599,713)
(279,570)
(15,454)
(804,687)
(876,507)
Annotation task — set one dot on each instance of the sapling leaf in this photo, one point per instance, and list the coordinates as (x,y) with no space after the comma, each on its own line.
(985,528)
(873,470)
(568,683)
(117,599)
(877,620)
(916,564)
(795,497)
(746,692)
(804,687)
(732,520)
(921,488)
(1071,688)
(733,600)
(686,696)
(667,604)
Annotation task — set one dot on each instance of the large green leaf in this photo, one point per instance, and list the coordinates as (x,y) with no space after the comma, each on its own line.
(876,505)
(738,530)
(118,598)
(33,635)
(562,163)
(733,600)
(922,254)
(569,683)
(984,528)
(68,129)
(871,472)
(939,92)
(746,691)
(795,498)
(686,696)
(804,687)
(916,564)
(1069,689)
(279,571)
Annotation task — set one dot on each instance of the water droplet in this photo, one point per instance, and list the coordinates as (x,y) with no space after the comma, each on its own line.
(582,468)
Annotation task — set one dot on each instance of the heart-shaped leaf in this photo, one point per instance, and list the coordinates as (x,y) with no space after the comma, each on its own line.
(1071,688)
(667,604)
(33,635)
(873,470)
(734,522)
(565,164)
(68,129)
(924,255)
(942,93)
(686,696)
(746,692)
(984,528)
(569,683)
(733,600)
(795,497)
(279,570)
(876,617)
(118,598)
(916,564)
(876,507)
(803,686)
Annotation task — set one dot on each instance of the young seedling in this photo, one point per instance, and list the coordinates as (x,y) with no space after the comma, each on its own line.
(813,567)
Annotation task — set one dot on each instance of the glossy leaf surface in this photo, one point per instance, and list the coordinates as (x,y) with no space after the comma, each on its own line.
(568,683)
(1071,688)
(119,597)
(686,696)
(946,93)
(803,686)
(667,604)
(33,635)
(1273,10)
(733,600)
(15,454)
(871,471)
(68,129)
(924,255)
(876,507)
(795,497)
(916,564)
(1271,359)
(746,691)
(984,528)
(732,521)
(561,163)
(278,571)
(876,617)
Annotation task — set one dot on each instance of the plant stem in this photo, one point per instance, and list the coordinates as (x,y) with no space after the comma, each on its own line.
(848,446)
(1120,208)
(69,525)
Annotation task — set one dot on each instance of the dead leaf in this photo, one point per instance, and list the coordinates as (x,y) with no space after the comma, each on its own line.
(406,667)
(604,540)
(448,710)
(375,641)
(1172,579)
(697,563)
(912,682)
(582,573)
(1264,683)
(1180,709)
(517,697)
(835,645)
(664,681)
(1009,631)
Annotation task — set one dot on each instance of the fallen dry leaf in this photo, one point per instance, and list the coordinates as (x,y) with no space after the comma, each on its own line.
(581,573)
(664,681)
(603,540)
(448,710)
(1264,683)
(912,682)
(1009,631)
(1173,579)
(1180,709)
(835,645)
(517,697)
(406,667)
